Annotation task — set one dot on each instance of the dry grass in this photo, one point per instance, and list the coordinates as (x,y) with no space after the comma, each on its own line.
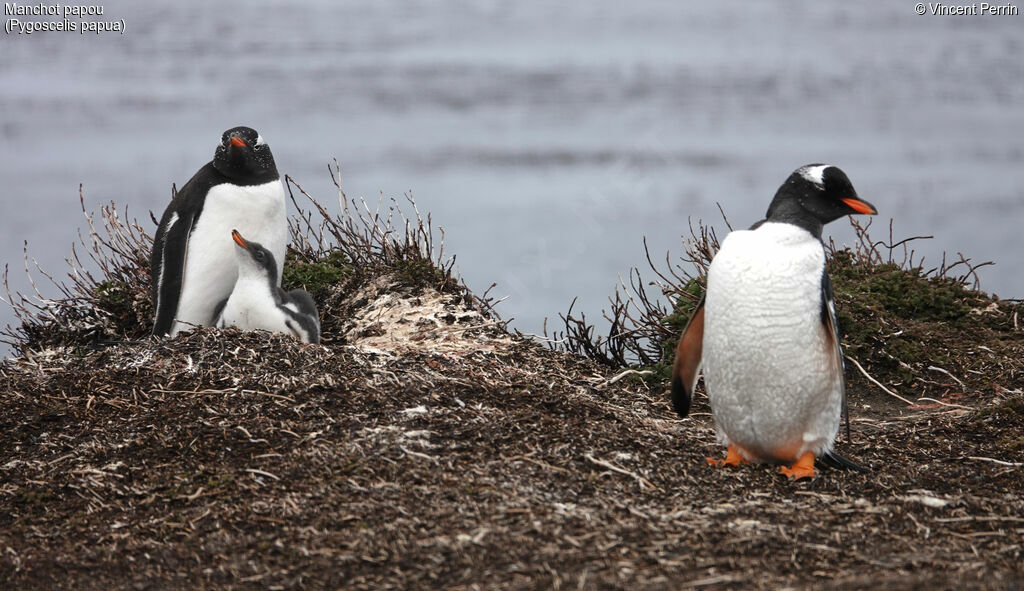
(227,459)
(446,453)
(330,255)
(644,318)
(883,290)
(112,302)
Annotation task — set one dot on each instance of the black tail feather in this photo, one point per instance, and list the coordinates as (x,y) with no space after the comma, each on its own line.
(680,397)
(834,460)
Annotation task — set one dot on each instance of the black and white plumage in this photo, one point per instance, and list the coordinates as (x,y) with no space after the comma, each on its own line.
(766,333)
(257,302)
(193,266)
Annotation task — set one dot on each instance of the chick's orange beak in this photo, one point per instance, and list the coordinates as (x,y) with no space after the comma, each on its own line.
(239,240)
(859,206)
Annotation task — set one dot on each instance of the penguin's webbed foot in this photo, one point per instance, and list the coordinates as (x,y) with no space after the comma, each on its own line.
(732,458)
(803,468)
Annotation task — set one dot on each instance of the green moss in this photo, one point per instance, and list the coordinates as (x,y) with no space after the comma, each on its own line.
(675,321)
(315,277)
(419,273)
(899,293)
(1011,409)
(34,497)
(661,373)
(113,296)
(680,315)
(857,333)
(906,350)
(215,482)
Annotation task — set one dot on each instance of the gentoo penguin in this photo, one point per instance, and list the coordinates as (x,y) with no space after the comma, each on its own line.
(258,302)
(766,331)
(193,265)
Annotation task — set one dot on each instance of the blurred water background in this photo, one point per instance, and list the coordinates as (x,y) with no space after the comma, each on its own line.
(546,138)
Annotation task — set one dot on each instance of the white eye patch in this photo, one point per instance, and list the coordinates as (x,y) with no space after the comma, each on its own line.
(815,174)
(260,141)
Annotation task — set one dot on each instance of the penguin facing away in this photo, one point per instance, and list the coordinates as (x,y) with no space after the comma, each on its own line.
(258,302)
(766,332)
(193,266)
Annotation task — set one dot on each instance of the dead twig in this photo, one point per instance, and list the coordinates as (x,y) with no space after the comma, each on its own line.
(876,382)
(995,461)
(941,403)
(939,369)
(262,473)
(623,374)
(643,482)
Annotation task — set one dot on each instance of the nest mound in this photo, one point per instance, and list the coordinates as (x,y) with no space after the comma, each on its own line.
(222,459)
(384,315)
(425,446)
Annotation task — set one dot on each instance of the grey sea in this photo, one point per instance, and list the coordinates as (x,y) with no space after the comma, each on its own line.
(547,139)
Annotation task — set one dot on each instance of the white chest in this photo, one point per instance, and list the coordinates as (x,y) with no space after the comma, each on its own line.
(251,307)
(258,212)
(768,366)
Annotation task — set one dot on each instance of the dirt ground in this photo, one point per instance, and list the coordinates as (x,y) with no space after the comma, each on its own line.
(226,460)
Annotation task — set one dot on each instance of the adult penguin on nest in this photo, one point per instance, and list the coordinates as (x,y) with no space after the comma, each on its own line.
(193,266)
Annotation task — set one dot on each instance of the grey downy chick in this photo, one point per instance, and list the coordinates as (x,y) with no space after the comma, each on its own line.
(258,303)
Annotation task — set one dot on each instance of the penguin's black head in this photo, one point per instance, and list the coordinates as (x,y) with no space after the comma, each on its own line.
(815,195)
(253,259)
(244,157)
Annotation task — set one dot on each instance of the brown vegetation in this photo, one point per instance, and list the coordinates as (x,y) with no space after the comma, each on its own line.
(425,446)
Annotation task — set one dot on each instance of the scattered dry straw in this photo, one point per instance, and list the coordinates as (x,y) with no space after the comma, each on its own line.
(423,446)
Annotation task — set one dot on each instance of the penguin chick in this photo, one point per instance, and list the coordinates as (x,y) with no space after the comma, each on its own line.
(257,301)
(766,333)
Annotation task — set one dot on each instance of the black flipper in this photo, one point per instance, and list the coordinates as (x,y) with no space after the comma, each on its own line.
(170,245)
(170,248)
(831,323)
(689,354)
(218,311)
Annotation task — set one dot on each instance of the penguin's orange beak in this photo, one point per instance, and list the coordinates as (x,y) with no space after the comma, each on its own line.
(237,141)
(859,206)
(239,240)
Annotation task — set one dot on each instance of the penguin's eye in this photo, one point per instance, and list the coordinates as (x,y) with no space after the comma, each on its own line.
(259,256)
(259,147)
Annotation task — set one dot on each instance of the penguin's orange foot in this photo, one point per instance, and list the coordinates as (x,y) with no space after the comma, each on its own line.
(732,458)
(803,468)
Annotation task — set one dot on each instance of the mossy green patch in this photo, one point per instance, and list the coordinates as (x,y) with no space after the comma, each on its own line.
(1011,409)
(675,321)
(113,296)
(900,293)
(1013,445)
(37,497)
(419,272)
(316,276)
(684,305)
(661,373)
